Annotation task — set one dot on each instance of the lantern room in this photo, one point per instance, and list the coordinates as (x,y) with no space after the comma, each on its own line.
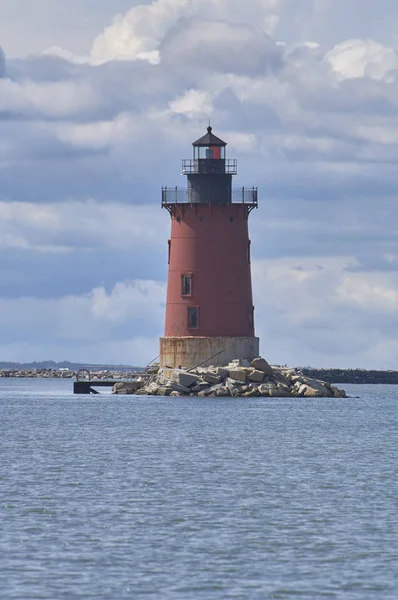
(209,157)
(209,147)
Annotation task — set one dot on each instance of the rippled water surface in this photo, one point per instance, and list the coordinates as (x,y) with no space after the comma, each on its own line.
(112,498)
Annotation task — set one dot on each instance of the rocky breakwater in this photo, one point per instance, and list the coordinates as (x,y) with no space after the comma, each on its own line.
(65,374)
(36,374)
(239,379)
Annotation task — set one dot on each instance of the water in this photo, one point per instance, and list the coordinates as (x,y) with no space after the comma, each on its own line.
(113,497)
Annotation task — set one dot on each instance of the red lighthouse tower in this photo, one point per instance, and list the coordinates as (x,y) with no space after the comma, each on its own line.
(209,312)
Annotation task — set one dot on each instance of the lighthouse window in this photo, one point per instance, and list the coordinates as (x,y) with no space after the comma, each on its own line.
(209,152)
(193,317)
(187,285)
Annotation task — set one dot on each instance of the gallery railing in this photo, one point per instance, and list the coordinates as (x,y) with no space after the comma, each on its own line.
(185,196)
(209,166)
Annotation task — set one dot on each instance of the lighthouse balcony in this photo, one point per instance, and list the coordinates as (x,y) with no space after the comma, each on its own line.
(241,195)
(210,166)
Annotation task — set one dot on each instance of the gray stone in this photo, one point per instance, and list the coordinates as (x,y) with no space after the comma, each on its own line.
(281,391)
(163,391)
(202,385)
(253,393)
(337,393)
(186,379)
(267,389)
(235,387)
(213,390)
(211,378)
(126,387)
(223,392)
(260,364)
(221,372)
(238,362)
(321,387)
(238,375)
(256,376)
(181,389)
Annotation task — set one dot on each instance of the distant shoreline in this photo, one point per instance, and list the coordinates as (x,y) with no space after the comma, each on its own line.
(332,376)
(359,376)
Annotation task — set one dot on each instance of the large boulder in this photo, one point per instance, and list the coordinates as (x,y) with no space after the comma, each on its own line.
(238,375)
(223,392)
(211,378)
(127,387)
(260,364)
(177,387)
(221,372)
(256,376)
(252,393)
(267,389)
(281,391)
(202,385)
(311,388)
(186,379)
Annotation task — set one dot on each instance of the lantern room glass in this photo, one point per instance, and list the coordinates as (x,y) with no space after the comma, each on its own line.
(209,152)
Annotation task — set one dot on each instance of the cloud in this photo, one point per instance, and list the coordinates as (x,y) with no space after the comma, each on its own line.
(227,47)
(87,325)
(75,226)
(362,58)
(88,138)
(139,33)
(319,311)
(2,63)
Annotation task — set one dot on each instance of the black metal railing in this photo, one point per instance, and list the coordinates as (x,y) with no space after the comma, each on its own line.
(185,196)
(206,166)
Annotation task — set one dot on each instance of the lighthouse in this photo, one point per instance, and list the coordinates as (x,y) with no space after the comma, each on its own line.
(209,309)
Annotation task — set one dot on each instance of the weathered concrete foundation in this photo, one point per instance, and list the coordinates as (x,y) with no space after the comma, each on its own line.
(190,351)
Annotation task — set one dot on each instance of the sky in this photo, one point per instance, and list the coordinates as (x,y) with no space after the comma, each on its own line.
(99,102)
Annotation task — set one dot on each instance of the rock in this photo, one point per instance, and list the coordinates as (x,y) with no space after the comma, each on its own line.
(211,378)
(306,391)
(323,390)
(177,387)
(175,394)
(223,392)
(337,393)
(202,385)
(253,393)
(238,375)
(281,391)
(256,376)
(238,380)
(212,391)
(235,387)
(267,389)
(223,373)
(186,379)
(238,362)
(280,378)
(126,387)
(164,391)
(260,364)
(152,389)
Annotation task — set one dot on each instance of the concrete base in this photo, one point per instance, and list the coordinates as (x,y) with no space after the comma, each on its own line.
(190,351)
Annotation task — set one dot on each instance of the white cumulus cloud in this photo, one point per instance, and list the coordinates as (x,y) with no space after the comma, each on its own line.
(362,58)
